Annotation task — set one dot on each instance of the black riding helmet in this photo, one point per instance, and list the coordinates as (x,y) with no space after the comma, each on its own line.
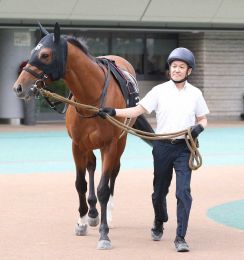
(182,54)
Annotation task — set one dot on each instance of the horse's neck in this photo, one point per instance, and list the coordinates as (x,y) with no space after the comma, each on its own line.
(83,76)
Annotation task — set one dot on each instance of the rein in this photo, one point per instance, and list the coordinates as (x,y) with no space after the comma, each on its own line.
(41,77)
(195,160)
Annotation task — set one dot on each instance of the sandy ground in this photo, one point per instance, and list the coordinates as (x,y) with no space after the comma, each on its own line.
(39,211)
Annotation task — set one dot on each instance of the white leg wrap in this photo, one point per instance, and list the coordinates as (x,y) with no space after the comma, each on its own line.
(110,207)
(83,221)
(81,226)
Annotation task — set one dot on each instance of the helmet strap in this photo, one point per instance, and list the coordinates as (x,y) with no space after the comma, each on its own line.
(180,81)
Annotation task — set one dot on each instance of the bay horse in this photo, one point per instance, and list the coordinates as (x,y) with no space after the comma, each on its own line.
(55,57)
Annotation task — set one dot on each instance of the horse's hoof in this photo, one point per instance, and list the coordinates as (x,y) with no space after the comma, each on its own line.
(104,245)
(81,230)
(93,222)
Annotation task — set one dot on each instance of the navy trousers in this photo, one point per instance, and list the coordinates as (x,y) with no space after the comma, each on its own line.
(167,157)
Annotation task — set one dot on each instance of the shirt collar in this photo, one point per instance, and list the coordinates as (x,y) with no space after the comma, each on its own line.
(183,89)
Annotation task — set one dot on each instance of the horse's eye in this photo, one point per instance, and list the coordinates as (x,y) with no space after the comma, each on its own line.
(44,56)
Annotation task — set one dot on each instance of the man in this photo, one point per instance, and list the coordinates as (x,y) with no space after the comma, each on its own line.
(178,106)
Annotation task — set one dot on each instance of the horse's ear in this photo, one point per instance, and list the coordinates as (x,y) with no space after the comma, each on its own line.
(56,33)
(43,31)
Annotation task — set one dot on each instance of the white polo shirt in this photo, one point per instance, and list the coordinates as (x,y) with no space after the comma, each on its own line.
(175,109)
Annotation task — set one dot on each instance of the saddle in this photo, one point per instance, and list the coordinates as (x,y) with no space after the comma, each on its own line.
(127,82)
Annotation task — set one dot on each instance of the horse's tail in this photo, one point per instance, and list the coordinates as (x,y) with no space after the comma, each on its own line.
(143,125)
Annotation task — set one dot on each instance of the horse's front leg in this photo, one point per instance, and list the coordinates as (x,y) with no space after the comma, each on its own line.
(120,149)
(103,193)
(81,187)
(93,218)
(110,205)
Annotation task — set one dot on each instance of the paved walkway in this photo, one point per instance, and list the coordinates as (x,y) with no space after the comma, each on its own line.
(39,202)
(48,149)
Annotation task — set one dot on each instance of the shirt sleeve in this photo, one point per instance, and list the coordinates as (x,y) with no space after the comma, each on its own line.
(201,107)
(149,102)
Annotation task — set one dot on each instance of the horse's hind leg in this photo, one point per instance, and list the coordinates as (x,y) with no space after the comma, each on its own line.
(81,187)
(93,218)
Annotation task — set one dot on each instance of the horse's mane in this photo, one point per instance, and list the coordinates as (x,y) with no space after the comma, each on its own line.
(81,44)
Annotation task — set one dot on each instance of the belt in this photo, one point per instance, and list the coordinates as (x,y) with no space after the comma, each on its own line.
(173,141)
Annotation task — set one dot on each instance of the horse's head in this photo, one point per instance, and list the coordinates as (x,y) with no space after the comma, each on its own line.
(47,61)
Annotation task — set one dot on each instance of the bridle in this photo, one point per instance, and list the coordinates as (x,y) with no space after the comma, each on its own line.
(41,84)
(55,70)
(41,77)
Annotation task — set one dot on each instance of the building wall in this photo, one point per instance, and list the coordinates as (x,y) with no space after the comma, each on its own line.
(195,43)
(15,46)
(224,73)
(220,70)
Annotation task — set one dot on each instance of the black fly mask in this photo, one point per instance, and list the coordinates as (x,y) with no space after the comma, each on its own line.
(58,45)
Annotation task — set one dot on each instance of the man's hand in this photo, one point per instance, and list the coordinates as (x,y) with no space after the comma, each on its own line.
(103,112)
(196,130)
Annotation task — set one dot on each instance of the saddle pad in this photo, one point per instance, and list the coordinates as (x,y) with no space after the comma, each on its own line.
(127,83)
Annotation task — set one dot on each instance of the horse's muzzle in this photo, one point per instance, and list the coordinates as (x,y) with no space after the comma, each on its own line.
(18,89)
(24,93)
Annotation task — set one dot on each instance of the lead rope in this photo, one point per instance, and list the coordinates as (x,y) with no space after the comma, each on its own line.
(195,160)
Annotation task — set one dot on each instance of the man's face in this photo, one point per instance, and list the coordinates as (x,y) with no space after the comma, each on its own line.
(179,70)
